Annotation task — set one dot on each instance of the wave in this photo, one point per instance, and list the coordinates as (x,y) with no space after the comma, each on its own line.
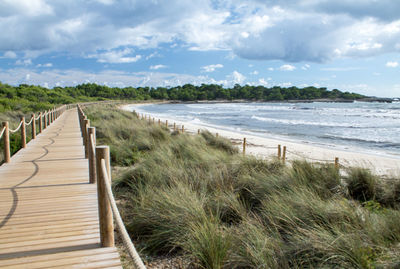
(302,122)
(380,142)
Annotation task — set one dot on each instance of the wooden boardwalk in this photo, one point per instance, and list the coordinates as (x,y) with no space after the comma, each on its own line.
(48,210)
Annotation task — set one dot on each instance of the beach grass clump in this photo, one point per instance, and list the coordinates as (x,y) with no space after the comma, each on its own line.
(362,184)
(195,197)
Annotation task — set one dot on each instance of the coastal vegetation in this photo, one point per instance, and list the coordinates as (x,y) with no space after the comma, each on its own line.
(195,198)
(29,98)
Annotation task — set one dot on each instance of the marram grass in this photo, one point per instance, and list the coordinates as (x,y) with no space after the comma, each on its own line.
(196,197)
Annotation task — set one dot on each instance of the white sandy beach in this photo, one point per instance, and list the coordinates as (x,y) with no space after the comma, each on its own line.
(267,147)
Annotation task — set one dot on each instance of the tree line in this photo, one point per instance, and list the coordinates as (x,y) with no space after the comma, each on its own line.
(34,98)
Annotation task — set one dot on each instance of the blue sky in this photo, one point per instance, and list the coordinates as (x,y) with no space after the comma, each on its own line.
(352,45)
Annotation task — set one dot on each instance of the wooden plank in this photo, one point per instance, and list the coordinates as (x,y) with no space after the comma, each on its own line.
(48,210)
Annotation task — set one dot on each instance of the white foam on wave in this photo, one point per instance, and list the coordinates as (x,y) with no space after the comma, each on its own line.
(302,122)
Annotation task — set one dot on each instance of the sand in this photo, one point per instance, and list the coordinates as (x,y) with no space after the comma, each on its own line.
(267,148)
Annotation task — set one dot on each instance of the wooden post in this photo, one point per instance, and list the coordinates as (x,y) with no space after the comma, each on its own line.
(40,123)
(85,137)
(159,122)
(166,123)
(33,126)
(105,213)
(45,120)
(23,133)
(244,146)
(174,126)
(284,154)
(153,120)
(92,155)
(336,162)
(216,135)
(198,131)
(183,129)
(279,152)
(6,137)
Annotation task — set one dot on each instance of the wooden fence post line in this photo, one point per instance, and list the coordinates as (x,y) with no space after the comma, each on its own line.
(105,213)
(85,137)
(33,126)
(174,126)
(40,123)
(159,122)
(244,146)
(279,152)
(336,162)
(92,155)
(6,137)
(23,133)
(45,120)
(198,131)
(183,129)
(284,154)
(166,123)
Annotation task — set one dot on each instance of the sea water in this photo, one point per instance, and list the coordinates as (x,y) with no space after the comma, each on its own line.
(358,126)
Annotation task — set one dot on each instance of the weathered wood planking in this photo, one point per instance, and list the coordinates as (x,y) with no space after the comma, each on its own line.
(48,210)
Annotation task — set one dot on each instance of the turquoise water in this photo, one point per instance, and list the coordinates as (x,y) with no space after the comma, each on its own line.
(373,127)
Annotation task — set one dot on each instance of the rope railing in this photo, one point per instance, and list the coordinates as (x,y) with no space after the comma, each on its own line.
(45,119)
(99,172)
(118,220)
(2,132)
(309,158)
(29,123)
(15,130)
(281,155)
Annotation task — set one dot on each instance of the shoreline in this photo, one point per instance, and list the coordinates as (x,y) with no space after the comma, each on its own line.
(264,147)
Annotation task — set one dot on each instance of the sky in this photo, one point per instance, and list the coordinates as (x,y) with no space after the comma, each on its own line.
(351,45)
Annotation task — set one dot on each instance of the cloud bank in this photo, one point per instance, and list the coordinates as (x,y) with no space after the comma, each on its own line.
(293,31)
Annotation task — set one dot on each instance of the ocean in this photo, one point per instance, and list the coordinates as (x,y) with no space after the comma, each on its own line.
(359,126)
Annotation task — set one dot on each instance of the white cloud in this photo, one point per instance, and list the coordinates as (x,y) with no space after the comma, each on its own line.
(158,66)
(116,56)
(255,72)
(9,54)
(306,67)
(287,67)
(44,65)
(211,67)
(293,31)
(236,77)
(271,69)
(392,64)
(263,82)
(25,62)
(112,78)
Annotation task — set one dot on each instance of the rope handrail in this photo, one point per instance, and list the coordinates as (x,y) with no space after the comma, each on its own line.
(38,117)
(29,123)
(2,132)
(120,225)
(309,158)
(15,130)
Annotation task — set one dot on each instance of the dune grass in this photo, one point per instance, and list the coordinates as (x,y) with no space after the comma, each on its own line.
(196,197)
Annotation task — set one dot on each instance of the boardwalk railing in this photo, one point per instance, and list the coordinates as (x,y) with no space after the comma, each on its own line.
(281,151)
(100,172)
(44,119)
